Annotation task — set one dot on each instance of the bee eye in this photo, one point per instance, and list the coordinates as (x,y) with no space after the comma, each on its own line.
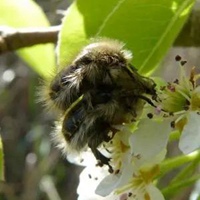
(86,60)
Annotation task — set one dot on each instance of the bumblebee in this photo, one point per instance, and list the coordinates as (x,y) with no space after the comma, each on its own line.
(99,89)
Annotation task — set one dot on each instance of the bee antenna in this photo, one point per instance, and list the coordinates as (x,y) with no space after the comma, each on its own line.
(147,100)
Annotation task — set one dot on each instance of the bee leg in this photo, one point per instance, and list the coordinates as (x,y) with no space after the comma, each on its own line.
(99,133)
(102,160)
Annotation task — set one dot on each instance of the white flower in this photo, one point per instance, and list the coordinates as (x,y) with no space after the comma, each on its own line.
(134,183)
(182,99)
(139,163)
(92,175)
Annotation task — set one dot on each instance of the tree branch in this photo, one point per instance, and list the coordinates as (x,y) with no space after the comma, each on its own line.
(12,39)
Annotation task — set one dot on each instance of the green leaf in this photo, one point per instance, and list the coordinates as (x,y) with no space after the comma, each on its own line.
(26,13)
(1,162)
(148,27)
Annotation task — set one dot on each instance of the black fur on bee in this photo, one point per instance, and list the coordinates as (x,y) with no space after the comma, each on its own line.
(112,93)
(80,128)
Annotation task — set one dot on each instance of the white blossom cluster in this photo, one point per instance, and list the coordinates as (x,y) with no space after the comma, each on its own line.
(137,149)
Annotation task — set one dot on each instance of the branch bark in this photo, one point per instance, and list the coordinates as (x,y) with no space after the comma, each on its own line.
(12,39)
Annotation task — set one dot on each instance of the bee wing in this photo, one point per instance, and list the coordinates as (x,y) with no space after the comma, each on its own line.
(73,117)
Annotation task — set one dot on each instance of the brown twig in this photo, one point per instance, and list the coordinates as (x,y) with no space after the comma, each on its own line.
(12,39)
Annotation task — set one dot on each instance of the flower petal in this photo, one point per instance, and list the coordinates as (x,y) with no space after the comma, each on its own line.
(107,185)
(190,137)
(113,181)
(149,139)
(85,158)
(89,179)
(154,192)
(155,160)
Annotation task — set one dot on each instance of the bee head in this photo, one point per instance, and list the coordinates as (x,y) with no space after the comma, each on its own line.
(104,52)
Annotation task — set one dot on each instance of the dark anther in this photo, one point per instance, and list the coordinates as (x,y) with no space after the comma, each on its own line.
(183,62)
(150,115)
(178,58)
(176,81)
(162,88)
(171,88)
(130,194)
(172,124)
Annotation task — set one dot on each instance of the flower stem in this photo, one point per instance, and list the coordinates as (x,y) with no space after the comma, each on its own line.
(176,162)
(175,135)
(174,187)
(185,177)
(186,172)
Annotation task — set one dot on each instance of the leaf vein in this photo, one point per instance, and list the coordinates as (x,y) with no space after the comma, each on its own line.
(116,7)
(168,28)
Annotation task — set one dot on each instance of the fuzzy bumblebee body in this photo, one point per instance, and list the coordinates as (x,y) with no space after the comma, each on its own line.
(111,89)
